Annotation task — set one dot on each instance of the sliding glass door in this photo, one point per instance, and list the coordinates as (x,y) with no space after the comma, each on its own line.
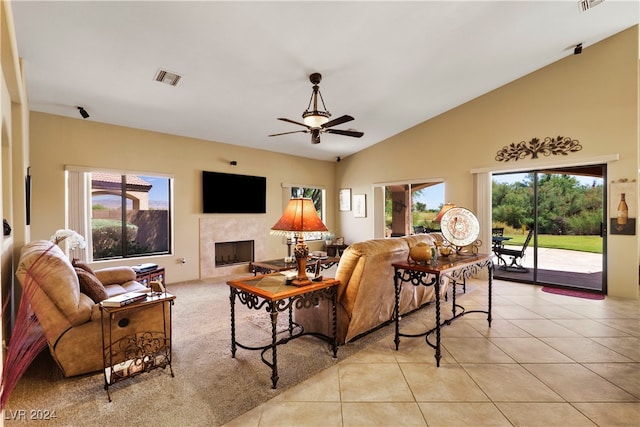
(565,209)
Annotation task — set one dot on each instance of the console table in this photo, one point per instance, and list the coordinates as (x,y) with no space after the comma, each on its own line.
(455,267)
(130,355)
(271,292)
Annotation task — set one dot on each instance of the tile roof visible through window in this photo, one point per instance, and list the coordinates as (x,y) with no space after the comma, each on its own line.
(106,180)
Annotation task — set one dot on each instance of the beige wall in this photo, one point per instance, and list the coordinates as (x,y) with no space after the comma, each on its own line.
(58,141)
(592,97)
(13,165)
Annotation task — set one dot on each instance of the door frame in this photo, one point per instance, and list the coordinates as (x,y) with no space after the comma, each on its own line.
(483,179)
(534,276)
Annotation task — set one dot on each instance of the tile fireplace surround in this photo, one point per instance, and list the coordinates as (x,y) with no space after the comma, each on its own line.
(228,229)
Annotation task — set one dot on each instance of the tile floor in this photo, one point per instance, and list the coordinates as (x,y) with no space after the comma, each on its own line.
(546,360)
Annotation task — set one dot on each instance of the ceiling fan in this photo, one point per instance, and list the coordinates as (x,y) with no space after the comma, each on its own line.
(317,121)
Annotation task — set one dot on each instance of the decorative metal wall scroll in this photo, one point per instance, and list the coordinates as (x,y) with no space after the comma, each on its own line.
(560,145)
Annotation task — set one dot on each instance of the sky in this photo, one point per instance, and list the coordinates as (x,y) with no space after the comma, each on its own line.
(159,189)
(432,196)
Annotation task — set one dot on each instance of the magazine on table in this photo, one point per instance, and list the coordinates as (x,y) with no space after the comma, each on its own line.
(124,299)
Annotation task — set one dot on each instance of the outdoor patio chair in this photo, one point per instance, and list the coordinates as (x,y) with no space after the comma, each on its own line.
(497,232)
(515,254)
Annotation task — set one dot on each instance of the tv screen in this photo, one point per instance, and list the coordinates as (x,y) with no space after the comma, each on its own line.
(231,193)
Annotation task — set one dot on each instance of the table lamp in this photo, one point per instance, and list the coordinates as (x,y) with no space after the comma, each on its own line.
(299,217)
(444,208)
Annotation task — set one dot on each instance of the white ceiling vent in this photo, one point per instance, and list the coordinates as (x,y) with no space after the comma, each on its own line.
(585,5)
(168,77)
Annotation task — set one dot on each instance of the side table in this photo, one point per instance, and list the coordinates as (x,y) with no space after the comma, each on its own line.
(271,292)
(130,355)
(335,250)
(454,267)
(147,276)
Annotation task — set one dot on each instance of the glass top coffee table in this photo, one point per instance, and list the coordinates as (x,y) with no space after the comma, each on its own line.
(278,265)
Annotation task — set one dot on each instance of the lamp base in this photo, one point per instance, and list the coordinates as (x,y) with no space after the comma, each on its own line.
(299,282)
(302,252)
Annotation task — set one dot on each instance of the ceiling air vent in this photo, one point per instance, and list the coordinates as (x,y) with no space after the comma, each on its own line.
(168,77)
(585,5)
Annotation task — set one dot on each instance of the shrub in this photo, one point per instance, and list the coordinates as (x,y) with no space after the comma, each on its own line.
(107,237)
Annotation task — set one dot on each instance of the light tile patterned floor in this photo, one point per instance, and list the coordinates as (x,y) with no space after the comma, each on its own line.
(546,360)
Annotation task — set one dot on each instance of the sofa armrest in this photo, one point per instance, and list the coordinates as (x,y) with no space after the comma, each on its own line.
(115,275)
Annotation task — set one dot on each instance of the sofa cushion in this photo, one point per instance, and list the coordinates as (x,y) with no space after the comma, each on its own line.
(115,275)
(90,285)
(82,264)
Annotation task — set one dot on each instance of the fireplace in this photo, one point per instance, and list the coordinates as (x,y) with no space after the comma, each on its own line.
(238,252)
(235,228)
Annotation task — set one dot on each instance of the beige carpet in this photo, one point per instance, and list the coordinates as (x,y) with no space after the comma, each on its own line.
(209,388)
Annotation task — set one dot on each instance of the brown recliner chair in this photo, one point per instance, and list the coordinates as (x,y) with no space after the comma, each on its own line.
(70,319)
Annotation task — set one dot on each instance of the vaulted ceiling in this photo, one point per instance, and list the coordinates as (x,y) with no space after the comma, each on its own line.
(391,65)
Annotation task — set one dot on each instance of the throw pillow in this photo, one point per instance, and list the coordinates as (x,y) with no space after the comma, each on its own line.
(82,264)
(91,286)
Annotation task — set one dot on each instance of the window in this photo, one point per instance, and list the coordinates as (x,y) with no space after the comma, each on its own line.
(411,207)
(318,196)
(125,215)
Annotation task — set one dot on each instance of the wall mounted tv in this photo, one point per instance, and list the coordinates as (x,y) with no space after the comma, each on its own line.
(231,193)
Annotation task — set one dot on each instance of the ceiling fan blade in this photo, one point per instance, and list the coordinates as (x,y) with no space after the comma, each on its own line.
(287,133)
(353,133)
(292,121)
(338,121)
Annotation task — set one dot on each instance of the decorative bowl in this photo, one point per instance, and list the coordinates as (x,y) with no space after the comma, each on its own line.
(446,250)
(420,253)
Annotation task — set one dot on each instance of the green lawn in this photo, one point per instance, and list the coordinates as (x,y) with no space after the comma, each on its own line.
(575,243)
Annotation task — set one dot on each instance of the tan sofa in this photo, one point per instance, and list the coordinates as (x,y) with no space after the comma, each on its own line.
(69,318)
(366,295)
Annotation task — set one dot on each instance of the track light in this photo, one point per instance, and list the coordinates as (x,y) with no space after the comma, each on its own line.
(83,113)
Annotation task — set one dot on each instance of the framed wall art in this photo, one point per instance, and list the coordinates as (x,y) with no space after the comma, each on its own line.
(360,205)
(623,207)
(345,199)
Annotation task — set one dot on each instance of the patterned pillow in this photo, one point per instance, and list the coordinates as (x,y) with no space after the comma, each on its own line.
(82,264)
(90,285)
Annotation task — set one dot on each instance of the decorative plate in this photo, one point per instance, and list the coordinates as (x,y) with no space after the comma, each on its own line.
(460,226)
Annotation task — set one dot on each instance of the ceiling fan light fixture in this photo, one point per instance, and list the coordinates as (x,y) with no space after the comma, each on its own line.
(315,118)
(317,121)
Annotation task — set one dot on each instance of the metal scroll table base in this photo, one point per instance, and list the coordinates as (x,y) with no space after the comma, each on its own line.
(427,276)
(295,330)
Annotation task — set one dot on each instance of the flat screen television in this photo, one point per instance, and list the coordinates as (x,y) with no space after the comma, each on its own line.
(232,193)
